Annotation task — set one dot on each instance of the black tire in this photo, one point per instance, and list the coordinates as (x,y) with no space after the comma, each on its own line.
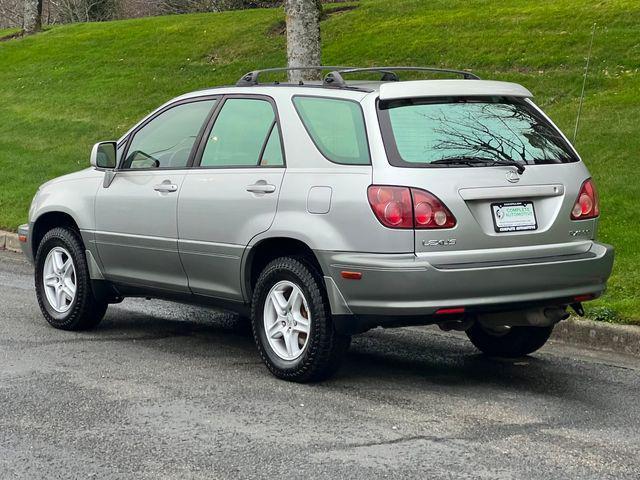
(325,348)
(517,342)
(85,312)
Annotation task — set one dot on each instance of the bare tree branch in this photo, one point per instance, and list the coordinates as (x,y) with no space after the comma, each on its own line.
(11,13)
(474,135)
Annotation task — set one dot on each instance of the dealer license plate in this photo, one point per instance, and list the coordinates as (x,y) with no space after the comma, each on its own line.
(514,216)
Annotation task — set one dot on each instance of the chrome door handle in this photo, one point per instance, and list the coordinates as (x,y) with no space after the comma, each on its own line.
(261,188)
(166,188)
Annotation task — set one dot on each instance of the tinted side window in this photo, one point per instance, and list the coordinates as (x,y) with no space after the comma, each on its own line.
(239,135)
(120,151)
(272,154)
(167,140)
(336,127)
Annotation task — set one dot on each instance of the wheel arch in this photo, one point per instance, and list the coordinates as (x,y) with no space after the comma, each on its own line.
(48,220)
(259,255)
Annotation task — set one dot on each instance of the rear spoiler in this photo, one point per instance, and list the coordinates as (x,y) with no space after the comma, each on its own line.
(451,88)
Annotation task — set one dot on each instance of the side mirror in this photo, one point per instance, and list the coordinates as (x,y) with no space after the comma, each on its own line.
(104,154)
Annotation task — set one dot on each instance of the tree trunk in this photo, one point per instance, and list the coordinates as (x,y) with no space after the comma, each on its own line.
(303,38)
(32,16)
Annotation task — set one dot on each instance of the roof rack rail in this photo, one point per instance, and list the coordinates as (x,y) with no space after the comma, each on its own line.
(252,78)
(335,78)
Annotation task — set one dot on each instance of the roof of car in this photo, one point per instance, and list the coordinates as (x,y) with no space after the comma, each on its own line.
(274,89)
(386,90)
(389,86)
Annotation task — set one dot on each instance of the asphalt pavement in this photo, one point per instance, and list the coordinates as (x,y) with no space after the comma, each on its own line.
(162,390)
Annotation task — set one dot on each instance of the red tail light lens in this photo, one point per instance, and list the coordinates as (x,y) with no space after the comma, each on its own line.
(586,205)
(392,205)
(429,211)
(403,207)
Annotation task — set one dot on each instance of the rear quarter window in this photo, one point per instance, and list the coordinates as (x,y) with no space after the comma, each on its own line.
(337,128)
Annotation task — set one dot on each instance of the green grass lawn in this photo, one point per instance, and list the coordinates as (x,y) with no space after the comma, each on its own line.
(66,88)
(7,32)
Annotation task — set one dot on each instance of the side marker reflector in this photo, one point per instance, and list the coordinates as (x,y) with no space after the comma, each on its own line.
(583,298)
(351,275)
(450,311)
(22,238)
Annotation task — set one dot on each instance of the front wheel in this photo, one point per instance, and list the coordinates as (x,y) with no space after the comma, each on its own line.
(62,282)
(292,325)
(512,342)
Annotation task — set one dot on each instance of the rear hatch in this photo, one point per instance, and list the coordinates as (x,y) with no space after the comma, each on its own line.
(503,170)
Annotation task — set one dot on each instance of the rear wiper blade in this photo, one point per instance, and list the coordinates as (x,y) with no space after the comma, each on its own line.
(470,161)
(473,161)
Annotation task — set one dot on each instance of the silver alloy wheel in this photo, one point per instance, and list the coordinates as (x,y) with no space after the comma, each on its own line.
(59,278)
(287,320)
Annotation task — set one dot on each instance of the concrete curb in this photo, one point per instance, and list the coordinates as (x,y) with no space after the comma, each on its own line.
(9,241)
(623,339)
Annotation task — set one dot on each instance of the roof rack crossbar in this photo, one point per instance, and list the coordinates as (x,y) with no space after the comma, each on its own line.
(252,78)
(335,78)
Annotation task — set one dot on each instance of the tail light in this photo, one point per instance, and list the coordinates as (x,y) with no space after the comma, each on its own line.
(429,211)
(392,205)
(586,205)
(404,207)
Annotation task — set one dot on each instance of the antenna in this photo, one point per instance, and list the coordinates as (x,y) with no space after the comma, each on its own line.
(584,83)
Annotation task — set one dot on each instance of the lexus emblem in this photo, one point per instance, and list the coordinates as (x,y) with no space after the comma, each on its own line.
(512,176)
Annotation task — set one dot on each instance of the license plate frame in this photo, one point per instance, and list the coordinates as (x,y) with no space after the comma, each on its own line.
(520,221)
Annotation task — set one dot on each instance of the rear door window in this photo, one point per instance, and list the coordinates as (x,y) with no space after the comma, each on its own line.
(272,153)
(245,134)
(437,132)
(337,128)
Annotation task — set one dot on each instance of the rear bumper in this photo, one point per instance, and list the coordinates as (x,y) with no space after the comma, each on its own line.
(24,231)
(395,285)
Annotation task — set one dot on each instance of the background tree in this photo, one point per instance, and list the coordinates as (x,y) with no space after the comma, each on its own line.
(11,13)
(303,37)
(32,20)
(70,11)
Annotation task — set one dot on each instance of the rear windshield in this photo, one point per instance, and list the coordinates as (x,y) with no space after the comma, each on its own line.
(418,132)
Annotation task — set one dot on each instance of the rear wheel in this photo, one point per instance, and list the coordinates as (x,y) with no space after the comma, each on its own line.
(510,342)
(291,322)
(63,286)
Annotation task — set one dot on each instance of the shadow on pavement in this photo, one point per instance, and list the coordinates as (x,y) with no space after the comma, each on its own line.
(401,355)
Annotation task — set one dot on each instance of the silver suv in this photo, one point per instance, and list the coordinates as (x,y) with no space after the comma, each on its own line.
(323,210)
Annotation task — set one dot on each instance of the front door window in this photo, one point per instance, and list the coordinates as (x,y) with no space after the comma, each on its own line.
(167,140)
